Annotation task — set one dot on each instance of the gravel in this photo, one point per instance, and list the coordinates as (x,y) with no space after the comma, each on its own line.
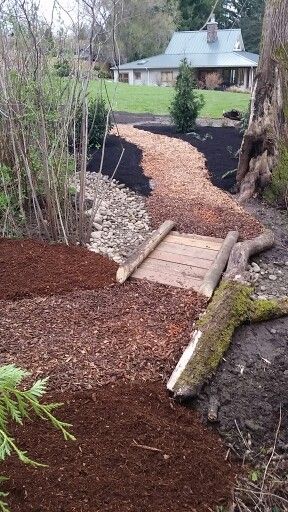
(121,222)
(269,271)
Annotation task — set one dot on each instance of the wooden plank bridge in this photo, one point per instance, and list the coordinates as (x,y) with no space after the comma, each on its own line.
(180,259)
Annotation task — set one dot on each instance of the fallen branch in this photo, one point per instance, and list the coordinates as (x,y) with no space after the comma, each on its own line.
(230,307)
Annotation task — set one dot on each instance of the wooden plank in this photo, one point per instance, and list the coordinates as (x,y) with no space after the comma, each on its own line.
(158,254)
(213,276)
(199,237)
(169,267)
(170,280)
(133,261)
(193,242)
(193,252)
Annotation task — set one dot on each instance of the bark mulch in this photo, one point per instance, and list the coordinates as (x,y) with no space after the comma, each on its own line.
(129,167)
(183,190)
(136,451)
(29,268)
(89,338)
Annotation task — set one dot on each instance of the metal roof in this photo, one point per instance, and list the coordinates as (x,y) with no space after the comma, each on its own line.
(214,60)
(196,42)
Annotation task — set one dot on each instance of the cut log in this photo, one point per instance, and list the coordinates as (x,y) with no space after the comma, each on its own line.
(133,262)
(213,276)
(231,306)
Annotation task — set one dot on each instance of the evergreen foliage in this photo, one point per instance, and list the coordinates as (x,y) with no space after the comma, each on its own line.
(98,121)
(187,103)
(16,405)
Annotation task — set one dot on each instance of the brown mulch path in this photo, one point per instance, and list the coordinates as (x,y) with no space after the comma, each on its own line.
(87,338)
(183,190)
(30,268)
(105,470)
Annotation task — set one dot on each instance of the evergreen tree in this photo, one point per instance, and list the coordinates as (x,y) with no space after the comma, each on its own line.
(187,103)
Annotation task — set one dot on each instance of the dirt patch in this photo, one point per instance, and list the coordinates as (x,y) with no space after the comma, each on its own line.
(183,190)
(218,145)
(106,470)
(251,385)
(29,268)
(134,331)
(129,171)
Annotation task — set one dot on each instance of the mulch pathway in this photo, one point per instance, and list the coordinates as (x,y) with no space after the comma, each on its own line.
(110,467)
(30,268)
(89,338)
(183,190)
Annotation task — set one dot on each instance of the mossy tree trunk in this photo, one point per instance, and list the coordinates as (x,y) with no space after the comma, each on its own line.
(268,125)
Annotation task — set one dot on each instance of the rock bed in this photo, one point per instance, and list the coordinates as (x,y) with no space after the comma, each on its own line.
(121,222)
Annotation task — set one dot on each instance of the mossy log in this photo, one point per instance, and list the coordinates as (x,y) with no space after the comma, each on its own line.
(231,306)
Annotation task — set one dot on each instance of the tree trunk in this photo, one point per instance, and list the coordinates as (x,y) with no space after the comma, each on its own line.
(268,125)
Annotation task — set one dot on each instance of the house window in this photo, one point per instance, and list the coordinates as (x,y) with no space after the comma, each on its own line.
(167,77)
(138,75)
(124,77)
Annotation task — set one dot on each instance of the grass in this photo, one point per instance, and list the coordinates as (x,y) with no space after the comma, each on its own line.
(156,100)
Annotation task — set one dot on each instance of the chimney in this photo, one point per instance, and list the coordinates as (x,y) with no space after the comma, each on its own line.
(212,27)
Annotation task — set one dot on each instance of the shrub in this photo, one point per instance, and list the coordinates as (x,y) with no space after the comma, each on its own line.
(62,68)
(97,122)
(212,80)
(17,405)
(186,103)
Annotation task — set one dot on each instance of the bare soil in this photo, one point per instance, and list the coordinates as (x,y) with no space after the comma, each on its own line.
(30,268)
(136,450)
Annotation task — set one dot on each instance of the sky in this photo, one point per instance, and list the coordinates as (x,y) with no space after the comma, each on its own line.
(70,6)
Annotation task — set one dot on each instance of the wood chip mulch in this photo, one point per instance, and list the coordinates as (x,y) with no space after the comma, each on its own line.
(89,338)
(183,191)
(135,451)
(31,268)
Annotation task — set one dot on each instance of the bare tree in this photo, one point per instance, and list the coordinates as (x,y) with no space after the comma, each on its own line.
(267,133)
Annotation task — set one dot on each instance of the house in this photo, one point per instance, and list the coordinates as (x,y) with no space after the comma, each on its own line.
(207,51)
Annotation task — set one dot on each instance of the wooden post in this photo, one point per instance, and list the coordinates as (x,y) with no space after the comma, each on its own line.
(141,253)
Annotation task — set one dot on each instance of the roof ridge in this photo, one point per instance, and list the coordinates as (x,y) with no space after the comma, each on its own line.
(204,31)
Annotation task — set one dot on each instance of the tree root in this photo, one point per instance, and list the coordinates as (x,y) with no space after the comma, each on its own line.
(230,307)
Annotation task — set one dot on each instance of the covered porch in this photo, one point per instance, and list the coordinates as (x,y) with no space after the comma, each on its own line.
(239,77)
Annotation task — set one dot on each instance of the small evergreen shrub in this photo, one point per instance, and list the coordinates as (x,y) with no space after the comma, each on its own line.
(17,405)
(97,121)
(187,103)
(62,68)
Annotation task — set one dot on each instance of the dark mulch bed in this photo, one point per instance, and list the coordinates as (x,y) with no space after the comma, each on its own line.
(129,172)
(89,338)
(29,268)
(218,145)
(105,470)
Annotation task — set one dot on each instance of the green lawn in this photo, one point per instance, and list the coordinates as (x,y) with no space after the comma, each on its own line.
(156,100)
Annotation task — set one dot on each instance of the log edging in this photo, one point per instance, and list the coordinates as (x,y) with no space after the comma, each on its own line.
(142,252)
(214,274)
